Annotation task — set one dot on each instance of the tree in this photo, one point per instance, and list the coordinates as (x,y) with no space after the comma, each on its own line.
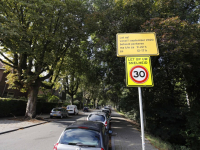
(72,84)
(36,36)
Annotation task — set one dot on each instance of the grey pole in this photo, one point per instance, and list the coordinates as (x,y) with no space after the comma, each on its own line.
(141,117)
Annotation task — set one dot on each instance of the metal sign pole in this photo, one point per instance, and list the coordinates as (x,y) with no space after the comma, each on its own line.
(141,117)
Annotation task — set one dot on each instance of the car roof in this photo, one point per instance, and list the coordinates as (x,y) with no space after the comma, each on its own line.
(97,113)
(97,126)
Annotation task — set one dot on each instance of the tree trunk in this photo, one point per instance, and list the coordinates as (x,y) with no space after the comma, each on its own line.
(94,103)
(72,100)
(31,104)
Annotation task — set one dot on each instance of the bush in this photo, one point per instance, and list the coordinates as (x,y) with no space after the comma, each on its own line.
(10,107)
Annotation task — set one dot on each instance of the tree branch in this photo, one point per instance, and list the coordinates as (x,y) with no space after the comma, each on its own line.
(47,76)
(46,86)
(6,58)
(7,63)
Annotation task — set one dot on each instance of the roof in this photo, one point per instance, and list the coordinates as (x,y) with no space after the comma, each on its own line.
(89,124)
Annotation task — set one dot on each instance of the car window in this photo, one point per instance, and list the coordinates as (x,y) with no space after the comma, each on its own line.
(81,136)
(95,117)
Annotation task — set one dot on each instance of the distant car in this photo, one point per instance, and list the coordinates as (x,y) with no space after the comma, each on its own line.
(100,117)
(86,109)
(58,112)
(83,135)
(72,109)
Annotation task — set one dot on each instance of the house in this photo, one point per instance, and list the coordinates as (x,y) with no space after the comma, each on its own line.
(4,91)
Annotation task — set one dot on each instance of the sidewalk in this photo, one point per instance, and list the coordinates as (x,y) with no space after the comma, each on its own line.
(125,135)
(11,124)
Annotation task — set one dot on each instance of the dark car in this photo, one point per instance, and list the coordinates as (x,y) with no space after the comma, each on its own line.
(84,135)
(85,109)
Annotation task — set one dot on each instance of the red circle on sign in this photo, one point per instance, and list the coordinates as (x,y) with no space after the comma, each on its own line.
(139,81)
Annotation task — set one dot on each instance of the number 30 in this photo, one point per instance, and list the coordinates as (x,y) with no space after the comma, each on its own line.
(141,74)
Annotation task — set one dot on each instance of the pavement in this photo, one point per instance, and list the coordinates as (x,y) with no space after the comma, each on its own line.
(125,135)
(10,124)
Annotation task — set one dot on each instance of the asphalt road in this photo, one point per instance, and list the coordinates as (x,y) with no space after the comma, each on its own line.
(41,137)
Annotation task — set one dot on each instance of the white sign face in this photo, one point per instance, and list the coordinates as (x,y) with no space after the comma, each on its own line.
(139,74)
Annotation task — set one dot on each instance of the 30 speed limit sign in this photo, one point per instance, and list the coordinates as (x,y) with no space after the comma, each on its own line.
(138,72)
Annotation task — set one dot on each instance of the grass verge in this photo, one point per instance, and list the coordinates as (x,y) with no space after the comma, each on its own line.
(155,141)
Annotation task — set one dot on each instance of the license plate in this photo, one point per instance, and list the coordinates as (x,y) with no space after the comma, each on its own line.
(69,110)
(54,115)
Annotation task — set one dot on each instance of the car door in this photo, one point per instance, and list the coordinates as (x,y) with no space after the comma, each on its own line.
(105,138)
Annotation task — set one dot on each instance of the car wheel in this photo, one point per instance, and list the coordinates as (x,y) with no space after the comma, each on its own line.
(51,117)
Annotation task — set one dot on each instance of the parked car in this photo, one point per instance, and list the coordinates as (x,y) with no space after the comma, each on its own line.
(100,117)
(58,112)
(86,109)
(107,111)
(72,109)
(83,135)
(107,107)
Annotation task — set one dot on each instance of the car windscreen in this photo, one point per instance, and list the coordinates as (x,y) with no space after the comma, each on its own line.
(96,117)
(81,137)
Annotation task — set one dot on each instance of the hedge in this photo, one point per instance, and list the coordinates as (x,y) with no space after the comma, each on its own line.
(10,108)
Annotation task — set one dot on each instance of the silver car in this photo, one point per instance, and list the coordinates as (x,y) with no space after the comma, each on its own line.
(59,112)
(84,135)
(100,117)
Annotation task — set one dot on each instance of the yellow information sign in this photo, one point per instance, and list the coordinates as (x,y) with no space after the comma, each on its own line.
(138,72)
(140,44)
